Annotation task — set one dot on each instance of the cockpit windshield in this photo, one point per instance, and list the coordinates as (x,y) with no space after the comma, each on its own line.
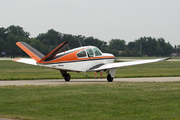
(90,52)
(97,51)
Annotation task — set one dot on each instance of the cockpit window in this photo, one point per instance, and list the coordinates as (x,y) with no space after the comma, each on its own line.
(97,52)
(90,52)
(81,54)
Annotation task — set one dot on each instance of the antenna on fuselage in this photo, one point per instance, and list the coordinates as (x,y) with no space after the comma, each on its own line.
(68,47)
(79,42)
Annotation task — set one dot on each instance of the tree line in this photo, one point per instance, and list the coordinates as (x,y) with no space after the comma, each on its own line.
(45,42)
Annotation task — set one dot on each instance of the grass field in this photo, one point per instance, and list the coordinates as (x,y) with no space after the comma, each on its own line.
(112,101)
(10,70)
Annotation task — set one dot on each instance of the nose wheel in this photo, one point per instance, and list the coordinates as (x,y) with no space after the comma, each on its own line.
(67,77)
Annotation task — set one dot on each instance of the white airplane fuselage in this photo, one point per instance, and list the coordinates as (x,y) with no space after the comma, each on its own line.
(83,64)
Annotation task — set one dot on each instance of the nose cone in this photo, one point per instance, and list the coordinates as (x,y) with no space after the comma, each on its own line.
(108,54)
(112,55)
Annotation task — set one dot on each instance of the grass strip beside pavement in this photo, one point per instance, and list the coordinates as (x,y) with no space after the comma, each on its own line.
(92,101)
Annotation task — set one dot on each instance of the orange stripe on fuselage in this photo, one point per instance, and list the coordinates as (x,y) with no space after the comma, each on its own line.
(73,57)
(31,54)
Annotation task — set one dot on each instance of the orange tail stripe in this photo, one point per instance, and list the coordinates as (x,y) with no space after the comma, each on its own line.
(55,51)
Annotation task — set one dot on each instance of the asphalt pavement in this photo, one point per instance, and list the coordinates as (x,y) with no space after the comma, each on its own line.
(87,81)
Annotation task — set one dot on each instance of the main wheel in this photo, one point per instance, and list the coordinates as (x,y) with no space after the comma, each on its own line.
(109,78)
(67,77)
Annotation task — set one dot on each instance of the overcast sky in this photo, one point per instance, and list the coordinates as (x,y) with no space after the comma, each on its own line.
(102,19)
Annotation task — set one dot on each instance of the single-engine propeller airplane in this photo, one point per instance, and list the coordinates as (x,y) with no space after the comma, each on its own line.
(81,59)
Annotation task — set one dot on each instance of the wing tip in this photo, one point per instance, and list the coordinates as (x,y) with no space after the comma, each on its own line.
(165,59)
(168,58)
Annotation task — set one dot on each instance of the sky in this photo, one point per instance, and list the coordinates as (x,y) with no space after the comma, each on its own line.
(102,19)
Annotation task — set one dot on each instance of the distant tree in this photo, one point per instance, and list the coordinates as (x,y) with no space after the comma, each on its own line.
(161,46)
(11,48)
(39,46)
(114,52)
(72,39)
(128,53)
(168,49)
(131,46)
(16,30)
(45,42)
(141,45)
(3,35)
(151,46)
(178,49)
(117,44)
(95,42)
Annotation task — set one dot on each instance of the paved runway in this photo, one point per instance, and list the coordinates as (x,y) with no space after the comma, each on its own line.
(87,81)
(1,58)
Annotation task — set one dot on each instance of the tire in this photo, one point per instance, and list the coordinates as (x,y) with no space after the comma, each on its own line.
(109,78)
(67,77)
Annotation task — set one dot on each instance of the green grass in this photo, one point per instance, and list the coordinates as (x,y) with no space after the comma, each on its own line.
(90,101)
(145,57)
(10,70)
(141,101)
(159,69)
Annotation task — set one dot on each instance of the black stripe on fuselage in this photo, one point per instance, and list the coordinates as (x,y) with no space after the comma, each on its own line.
(96,66)
(75,61)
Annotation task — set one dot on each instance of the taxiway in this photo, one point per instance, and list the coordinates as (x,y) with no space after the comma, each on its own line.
(87,81)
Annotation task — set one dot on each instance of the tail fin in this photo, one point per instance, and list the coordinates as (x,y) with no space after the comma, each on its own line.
(55,51)
(33,53)
(36,55)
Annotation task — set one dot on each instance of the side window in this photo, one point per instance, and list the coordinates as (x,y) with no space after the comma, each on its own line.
(90,52)
(97,52)
(81,54)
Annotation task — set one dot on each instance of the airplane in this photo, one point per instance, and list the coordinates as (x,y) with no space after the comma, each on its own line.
(81,59)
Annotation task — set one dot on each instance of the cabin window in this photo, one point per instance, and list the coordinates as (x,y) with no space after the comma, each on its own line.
(90,52)
(97,52)
(81,54)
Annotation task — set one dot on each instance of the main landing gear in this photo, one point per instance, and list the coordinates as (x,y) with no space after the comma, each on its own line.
(111,74)
(66,75)
(109,78)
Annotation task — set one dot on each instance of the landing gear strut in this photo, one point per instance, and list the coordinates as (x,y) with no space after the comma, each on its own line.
(66,76)
(109,78)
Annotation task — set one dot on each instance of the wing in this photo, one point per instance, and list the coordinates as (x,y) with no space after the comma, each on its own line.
(123,64)
(26,60)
